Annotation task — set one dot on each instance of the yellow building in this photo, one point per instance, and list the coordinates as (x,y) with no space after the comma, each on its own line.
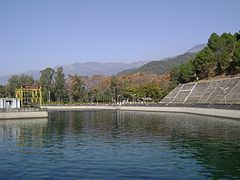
(30,96)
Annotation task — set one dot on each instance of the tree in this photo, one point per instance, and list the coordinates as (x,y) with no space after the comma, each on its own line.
(237,52)
(76,89)
(2,91)
(225,52)
(174,77)
(150,90)
(186,72)
(228,42)
(16,81)
(214,42)
(60,91)
(153,90)
(234,66)
(46,82)
(204,63)
(116,89)
(132,92)
(223,61)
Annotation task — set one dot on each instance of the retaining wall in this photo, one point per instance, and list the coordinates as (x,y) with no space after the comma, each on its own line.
(224,91)
(23,114)
(190,110)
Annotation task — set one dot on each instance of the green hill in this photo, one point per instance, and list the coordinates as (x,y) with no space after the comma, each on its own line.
(221,57)
(161,66)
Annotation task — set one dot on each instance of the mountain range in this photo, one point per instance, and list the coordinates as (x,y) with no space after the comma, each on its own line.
(161,66)
(85,69)
(110,68)
(196,48)
(166,64)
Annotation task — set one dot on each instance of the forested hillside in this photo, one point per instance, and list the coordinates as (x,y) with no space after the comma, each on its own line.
(161,66)
(221,57)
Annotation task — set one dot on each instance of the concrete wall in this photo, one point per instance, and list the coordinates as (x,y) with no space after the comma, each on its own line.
(23,115)
(224,91)
(225,113)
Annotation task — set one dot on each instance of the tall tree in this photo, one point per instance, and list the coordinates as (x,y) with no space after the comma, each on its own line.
(60,86)
(46,82)
(204,63)
(225,53)
(116,89)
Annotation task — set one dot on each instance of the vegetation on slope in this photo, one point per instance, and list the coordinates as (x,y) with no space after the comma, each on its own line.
(161,66)
(220,57)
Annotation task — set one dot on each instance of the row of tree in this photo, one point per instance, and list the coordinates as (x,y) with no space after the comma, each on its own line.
(53,83)
(56,87)
(221,56)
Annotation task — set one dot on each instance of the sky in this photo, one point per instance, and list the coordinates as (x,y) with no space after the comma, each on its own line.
(46,33)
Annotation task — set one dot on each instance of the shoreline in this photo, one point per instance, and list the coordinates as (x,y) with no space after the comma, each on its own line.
(223,113)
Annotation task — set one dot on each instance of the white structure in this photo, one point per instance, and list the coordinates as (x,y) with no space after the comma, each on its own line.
(9,103)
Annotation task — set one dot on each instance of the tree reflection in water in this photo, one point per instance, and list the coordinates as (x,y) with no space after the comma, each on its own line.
(198,145)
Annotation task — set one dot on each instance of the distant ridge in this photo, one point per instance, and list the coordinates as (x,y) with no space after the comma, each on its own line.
(110,68)
(94,68)
(197,48)
(166,64)
(85,69)
(161,66)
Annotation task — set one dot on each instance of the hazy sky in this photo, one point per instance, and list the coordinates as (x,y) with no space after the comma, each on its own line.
(35,34)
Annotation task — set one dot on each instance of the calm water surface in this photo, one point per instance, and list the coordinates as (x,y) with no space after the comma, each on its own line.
(120,145)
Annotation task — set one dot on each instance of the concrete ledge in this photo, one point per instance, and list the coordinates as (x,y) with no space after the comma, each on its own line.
(42,121)
(23,115)
(224,113)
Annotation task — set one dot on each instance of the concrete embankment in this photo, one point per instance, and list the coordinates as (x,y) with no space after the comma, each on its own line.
(225,113)
(23,115)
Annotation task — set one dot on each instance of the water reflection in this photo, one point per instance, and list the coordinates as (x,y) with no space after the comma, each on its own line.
(122,144)
(23,134)
(213,142)
(20,129)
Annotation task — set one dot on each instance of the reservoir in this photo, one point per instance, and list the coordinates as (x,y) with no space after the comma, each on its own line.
(121,145)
